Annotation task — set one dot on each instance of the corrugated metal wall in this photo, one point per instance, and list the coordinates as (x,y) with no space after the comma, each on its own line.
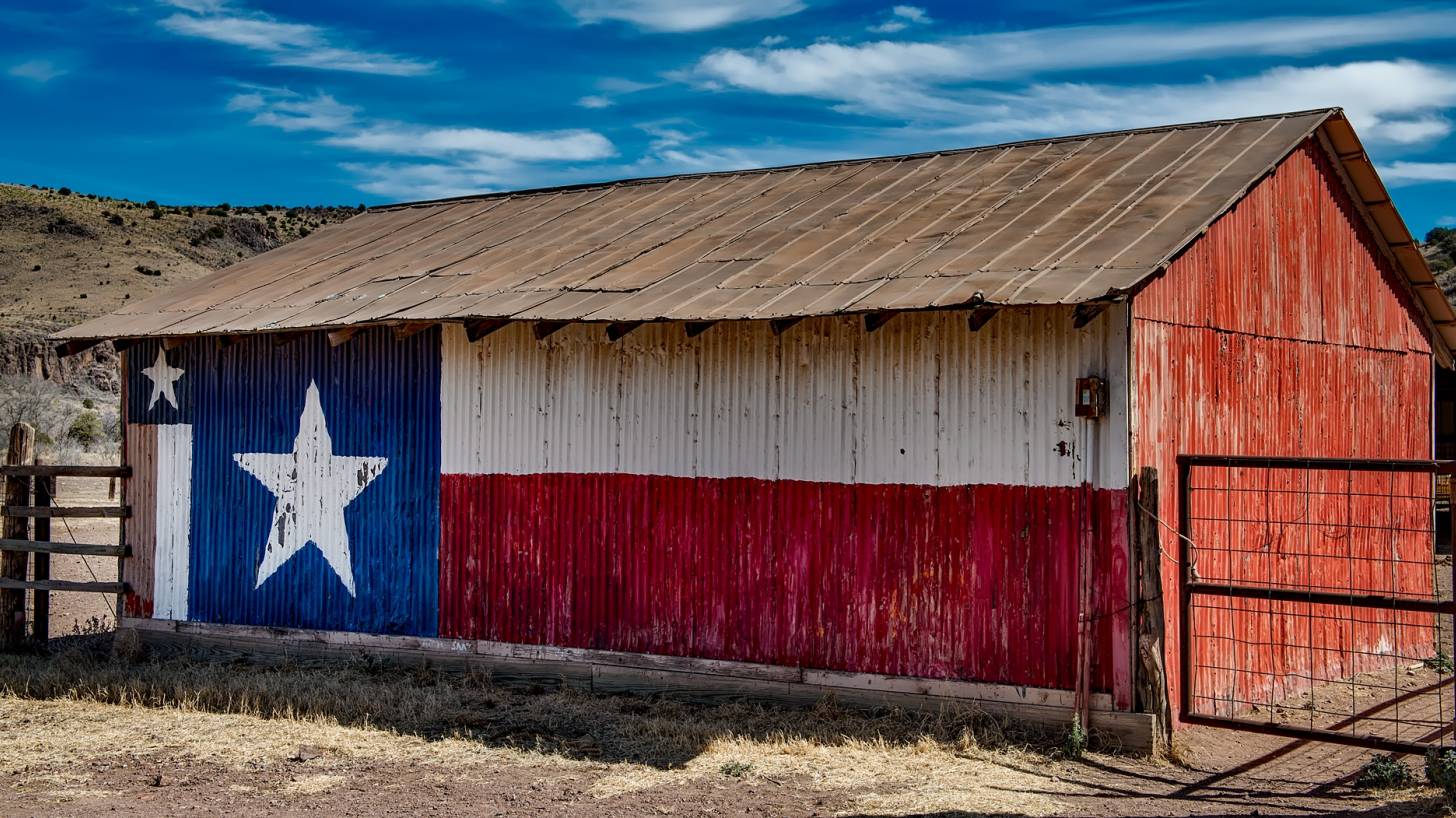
(1283,331)
(905,502)
(922,401)
(351,550)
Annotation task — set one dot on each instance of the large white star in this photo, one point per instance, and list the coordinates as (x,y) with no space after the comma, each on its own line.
(313,485)
(164,380)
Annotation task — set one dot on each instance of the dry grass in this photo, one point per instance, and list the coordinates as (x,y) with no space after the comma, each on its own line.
(82,704)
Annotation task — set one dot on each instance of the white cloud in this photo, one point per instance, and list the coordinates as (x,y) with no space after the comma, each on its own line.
(300,45)
(595,101)
(1386,101)
(419,161)
(823,69)
(1410,173)
(1446,221)
(405,139)
(772,40)
(40,70)
(901,18)
(680,15)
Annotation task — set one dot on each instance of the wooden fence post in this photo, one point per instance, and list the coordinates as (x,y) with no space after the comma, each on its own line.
(13,563)
(40,609)
(1152,677)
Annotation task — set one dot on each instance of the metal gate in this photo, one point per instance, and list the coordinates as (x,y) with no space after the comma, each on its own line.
(1315,601)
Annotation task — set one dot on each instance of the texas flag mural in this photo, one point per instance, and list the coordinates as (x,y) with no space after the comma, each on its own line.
(297,484)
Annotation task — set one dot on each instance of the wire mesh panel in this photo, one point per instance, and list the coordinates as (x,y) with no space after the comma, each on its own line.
(1316,601)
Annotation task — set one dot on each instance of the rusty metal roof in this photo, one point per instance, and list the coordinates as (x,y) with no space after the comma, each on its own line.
(1040,222)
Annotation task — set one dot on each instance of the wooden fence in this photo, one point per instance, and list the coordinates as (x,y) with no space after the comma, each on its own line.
(27,546)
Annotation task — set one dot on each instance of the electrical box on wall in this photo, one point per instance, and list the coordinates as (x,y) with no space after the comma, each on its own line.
(1091,397)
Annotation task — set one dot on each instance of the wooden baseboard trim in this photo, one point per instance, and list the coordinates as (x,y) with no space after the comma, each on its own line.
(649,674)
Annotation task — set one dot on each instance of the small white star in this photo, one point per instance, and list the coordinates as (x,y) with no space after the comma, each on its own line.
(164,380)
(313,485)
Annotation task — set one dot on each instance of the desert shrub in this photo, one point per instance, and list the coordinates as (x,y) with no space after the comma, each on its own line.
(736,769)
(1441,772)
(152,204)
(156,213)
(147,271)
(65,191)
(86,429)
(1384,772)
(116,219)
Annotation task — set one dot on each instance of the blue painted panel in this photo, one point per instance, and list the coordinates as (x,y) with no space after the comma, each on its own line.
(379,398)
(160,394)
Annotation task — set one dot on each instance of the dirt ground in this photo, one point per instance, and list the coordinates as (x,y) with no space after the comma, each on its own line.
(88,733)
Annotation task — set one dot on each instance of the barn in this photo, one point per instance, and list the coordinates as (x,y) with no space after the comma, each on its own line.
(902,429)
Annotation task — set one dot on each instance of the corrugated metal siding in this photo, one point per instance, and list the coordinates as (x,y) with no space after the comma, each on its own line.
(380,398)
(907,502)
(1282,332)
(922,401)
(1042,222)
(140,529)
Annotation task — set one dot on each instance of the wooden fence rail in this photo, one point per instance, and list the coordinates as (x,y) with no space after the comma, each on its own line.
(25,538)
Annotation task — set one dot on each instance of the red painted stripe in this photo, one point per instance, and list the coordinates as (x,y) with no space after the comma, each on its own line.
(962,582)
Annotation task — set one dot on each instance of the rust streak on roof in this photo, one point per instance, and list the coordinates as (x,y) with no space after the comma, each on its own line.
(1051,221)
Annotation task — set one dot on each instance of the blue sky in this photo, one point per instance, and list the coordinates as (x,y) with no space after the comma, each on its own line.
(335,101)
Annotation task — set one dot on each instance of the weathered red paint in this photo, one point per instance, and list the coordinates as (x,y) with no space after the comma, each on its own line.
(1283,331)
(962,582)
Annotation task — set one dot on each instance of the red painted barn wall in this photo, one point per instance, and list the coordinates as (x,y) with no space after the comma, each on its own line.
(1283,331)
(955,582)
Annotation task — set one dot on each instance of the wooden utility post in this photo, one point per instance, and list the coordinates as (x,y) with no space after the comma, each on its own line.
(13,563)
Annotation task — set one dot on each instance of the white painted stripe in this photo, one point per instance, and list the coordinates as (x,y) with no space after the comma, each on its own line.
(174,520)
(922,401)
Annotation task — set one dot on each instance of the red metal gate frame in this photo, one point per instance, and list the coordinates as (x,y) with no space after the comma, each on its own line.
(1188,586)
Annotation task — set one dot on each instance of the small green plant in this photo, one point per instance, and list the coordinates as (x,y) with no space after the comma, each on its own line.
(1441,662)
(736,769)
(1075,744)
(86,428)
(1384,772)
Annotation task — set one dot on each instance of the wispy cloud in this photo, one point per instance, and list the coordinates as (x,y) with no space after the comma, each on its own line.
(960,81)
(39,70)
(1446,221)
(417,160)
(1410,173)
(826,68)
(901,18)
(281,42)
(680,15)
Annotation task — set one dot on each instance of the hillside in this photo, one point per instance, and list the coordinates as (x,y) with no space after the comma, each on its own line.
(66,257)
(1440,252)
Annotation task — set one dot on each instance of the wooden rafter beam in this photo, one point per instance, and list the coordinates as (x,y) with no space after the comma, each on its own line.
(73,347)
(980,317)
(123,344)
(481,327)
(545,329)
(174,342)
(284,338)
(1088,311)
(339,337)
(696,328)
(875,320)
(408,328)
(781,325)
(617,330)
